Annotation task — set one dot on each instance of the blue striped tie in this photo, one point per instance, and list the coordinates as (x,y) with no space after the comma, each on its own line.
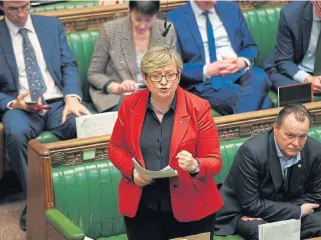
(37,86)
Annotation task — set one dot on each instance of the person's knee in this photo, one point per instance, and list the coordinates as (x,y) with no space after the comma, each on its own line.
(69,129)
(312,224)
(260,78)
(17,134)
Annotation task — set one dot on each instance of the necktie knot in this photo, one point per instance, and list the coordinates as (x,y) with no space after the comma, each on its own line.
(23,32)
(206,14)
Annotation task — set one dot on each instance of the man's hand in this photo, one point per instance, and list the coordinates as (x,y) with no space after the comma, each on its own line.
(308,208)
(233,65)
(186,161)
(316,83)
(225,66)
(73,106)
(20,102)
(123,87)
(138,180)
(245,218)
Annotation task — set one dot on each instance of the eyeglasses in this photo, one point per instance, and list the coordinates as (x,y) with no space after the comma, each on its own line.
(157,77)
(17,10)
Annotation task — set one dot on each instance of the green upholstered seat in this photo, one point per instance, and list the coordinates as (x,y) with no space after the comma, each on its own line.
(64,5)
(263,25)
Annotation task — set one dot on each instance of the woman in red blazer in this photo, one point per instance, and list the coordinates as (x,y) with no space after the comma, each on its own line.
(159,126)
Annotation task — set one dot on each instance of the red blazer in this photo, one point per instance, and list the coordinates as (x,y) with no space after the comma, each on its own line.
(194,130)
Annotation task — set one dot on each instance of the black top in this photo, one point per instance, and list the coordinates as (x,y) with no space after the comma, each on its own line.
(155,146)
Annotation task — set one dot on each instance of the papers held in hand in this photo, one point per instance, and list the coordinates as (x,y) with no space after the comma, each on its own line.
(149,175)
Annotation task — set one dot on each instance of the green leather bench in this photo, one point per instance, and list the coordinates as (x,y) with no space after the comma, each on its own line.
(85,196)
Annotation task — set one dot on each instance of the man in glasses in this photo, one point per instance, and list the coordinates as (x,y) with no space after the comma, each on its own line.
(296,57)
(39,83)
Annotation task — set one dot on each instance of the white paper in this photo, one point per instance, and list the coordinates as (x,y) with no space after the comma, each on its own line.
(282,230)
(87,238)
(96,124)
(149,175)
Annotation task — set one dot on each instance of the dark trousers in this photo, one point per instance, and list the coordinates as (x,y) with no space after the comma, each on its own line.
(156,225)
(280,80)
(21,126)
(248,93)
(310,227)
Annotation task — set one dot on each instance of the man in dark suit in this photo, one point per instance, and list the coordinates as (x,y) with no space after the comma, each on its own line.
(275,176)
(296,57)
(218,53)
(37,69)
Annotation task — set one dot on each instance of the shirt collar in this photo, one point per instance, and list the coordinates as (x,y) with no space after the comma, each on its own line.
(173,104)
(15,30)
(281,156)
(198,11)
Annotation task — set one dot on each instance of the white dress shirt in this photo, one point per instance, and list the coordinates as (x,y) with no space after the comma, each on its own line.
(307,64)
(17,42)
(222,42)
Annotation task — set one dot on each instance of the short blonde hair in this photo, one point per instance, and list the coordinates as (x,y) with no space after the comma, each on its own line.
(158,57)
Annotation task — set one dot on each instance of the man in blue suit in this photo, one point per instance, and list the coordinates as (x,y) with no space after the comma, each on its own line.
(37,68)
(296,57)
(218,52)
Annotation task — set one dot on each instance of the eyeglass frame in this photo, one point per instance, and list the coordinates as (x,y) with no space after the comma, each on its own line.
(163,75)
(17,10)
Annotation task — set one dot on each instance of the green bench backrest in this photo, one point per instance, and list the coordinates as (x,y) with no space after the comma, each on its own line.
(263,25)
(88,194)
(64,5)
(82,45)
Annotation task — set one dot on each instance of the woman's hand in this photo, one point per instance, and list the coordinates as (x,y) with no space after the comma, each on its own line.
(126,86)
(138,180)
(186,161)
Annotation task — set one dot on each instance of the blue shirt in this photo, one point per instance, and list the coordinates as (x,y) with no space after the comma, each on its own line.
(286,162)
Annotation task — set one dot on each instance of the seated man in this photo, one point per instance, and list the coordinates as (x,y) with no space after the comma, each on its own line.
(218,52)
(275,176)
(294,58)
(35,58)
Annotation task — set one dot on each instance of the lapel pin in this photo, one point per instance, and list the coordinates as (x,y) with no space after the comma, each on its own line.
(299,166)
(181,122)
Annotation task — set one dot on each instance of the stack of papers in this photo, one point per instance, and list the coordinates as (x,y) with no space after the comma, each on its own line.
(149,175)
(285,230)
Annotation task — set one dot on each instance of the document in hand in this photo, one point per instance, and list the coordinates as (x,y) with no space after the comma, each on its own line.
(285,230)
(201,236)
(149,175)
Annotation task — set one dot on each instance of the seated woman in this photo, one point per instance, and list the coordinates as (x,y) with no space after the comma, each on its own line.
(115,64)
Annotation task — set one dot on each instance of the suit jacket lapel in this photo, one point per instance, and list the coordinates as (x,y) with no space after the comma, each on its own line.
(6,45)
(128,47)
(137,117)
(181,123)
(306,22)
(193,27)
(274,164)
